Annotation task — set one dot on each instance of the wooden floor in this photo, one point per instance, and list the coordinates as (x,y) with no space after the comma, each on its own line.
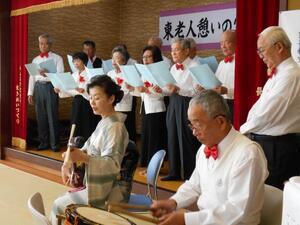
(139,176)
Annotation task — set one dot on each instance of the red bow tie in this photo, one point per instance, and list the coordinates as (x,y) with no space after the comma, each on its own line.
(228,59)
(179,66)
(271,72)
(81,79)
(46,54)
(213,151)
(147,84)
(119,81)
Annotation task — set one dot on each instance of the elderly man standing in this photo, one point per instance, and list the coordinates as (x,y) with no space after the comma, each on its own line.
(274,120)
(225,71)
(182,145)
(156,41)
(228,181)
(45,99)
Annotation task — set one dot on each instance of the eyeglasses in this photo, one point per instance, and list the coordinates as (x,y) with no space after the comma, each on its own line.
(198,126)
(261,50)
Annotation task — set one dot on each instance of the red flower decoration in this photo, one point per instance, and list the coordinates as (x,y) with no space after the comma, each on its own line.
(119,80)
(147,84)
(81,79)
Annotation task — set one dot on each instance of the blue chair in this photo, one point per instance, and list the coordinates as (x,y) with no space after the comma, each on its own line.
(152,175)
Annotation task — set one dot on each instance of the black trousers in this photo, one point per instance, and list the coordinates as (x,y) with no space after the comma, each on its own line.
(82,115)
(46,109)
(283,156)
(182,145)
(153,135)
(130,121)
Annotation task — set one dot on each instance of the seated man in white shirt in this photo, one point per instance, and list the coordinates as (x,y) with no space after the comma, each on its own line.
(228,181)
(274,120)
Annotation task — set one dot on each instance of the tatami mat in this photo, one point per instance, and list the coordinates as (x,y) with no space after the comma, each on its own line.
(16,187)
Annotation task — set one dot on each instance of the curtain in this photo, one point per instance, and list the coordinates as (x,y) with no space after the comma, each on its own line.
(19,37)
(250,72)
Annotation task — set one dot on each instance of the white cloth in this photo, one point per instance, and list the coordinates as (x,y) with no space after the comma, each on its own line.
(228,190)
(225,73)
(58,61)
(75,75)
(167,61)
(125,105)
(276,112)
(184,79)
(153,102)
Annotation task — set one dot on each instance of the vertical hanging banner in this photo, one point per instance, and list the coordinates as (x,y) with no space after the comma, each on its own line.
(287,22)
(205,24)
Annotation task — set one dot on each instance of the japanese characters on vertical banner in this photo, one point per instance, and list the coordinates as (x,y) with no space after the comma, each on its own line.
(205,24)
(287,22)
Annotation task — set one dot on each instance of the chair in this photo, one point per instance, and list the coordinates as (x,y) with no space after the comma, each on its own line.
(36,207)
(272,208)
(152,175)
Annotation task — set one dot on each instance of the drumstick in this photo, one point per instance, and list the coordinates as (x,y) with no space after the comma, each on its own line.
(128,206)
(67,160)
(135,215)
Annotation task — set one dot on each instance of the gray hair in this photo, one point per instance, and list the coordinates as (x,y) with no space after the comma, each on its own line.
(275,34)
(192,42)
(212,103)
(184,43)
(156,39)
(46,36)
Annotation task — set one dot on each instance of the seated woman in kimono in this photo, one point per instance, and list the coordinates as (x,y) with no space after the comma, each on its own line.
(102,152)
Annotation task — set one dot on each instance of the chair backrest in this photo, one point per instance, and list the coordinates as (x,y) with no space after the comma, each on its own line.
(153,171)
(36,207)
(272,208)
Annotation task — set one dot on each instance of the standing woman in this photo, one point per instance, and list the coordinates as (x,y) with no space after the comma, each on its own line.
(82,114)
(154,131)
(128,103)
(102,152)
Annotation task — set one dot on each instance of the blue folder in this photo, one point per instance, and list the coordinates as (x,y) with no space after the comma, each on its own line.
(204,76)
(33,69)
(211,61)
(91,72)
(62,81)
(145,73)
(131,75)
(48,65)
(107,65)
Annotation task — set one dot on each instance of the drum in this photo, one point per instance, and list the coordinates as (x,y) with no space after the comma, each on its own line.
(85,215)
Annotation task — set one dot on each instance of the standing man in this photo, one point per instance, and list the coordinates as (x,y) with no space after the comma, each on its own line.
(41,94)
(89,48)
(156,41)
(225,71)
(228,180)
(182,145)
(193,50)
(274,120)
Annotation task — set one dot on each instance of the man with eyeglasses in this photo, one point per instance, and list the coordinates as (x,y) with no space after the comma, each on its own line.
(228,180)
(274,120)
(225,71)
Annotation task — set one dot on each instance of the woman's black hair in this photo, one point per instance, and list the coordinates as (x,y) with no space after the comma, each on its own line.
(108,85)
(156,53)
(81,56)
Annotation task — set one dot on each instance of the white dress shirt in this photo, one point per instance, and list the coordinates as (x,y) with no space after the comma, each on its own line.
(153,102)
(228,190)
(225,73)
(58,61)
(167,60)
(75,75)
(125,105)
(276,112)
(184,79)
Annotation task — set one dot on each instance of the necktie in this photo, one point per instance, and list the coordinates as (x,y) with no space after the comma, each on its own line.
(228,59)
(179,66)
(119,81)
(81,79)
(45,54)
(213,151)
(271,72)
